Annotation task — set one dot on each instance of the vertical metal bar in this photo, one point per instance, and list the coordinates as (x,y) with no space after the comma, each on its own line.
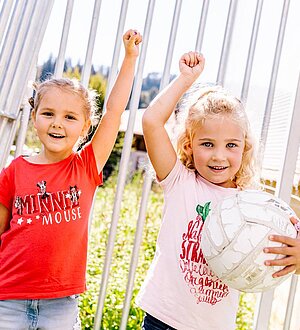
(146,185)
(166,74)
(165,79)
(12,74)
(123,166)
(86,72)
(283,190)
(226,42)
(275,68)
(60,61)
(26,111)
(24,122)
(251,51)
(4,15)
(10,138)
(118,42)
(290,303)
(9,47)
(136,247)
(113,70)
(148,178)
(31,45)
(4,121)
(263,310)
(22,130)
(286,181)
(202,24)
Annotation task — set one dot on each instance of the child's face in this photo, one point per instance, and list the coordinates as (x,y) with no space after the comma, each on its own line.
(217,149)
(60,120)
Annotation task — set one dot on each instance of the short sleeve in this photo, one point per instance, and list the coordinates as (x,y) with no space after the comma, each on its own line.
(173,177)
(88,158)
(6,188)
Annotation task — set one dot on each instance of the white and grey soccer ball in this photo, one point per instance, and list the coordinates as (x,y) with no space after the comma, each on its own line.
(235,233)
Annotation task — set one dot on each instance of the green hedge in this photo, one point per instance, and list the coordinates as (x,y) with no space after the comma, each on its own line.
(122,253)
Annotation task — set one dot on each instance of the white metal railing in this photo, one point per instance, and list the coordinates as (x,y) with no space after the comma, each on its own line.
(21,35)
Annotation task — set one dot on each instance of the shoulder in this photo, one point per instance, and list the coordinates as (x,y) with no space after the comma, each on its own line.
(86,158)
(11,165)
(85,151)
(179,175)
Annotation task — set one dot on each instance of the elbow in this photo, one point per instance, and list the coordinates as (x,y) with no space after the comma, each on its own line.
(110,106)
(148,120)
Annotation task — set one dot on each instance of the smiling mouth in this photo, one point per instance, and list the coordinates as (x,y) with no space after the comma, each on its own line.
(56,136)
(218,168)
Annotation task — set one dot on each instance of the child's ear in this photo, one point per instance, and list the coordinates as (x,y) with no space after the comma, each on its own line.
(86,127)
(188,148)
(33,117)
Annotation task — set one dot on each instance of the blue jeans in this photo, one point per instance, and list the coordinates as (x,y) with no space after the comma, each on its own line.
(42,314)
(151,323)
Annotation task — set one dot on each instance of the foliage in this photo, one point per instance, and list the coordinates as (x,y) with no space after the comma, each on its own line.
(73,72)
(31,140)
(245,314)
(115,156)
(112,312)
(121,257)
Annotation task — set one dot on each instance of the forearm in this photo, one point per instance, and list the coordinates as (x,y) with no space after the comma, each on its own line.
(120,92)
(161,108)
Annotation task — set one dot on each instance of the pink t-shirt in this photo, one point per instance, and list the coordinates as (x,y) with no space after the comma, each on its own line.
(44,252)
(180,289)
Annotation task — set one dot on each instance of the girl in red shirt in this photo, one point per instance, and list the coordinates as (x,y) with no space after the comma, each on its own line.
(45,201)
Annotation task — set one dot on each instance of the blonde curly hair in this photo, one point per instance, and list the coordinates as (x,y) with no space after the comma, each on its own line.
(215,101)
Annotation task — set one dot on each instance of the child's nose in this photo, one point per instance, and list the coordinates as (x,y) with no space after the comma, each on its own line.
(56,124)
(218,155)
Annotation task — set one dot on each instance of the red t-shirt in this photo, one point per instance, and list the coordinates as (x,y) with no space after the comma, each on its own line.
(43,253)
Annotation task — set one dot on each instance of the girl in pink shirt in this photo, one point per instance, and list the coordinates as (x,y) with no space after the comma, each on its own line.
(215,157)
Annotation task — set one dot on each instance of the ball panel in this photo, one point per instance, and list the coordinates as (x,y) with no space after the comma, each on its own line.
(218,232)
(207,246)
(231,227)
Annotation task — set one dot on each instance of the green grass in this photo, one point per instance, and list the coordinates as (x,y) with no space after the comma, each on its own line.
(112,312)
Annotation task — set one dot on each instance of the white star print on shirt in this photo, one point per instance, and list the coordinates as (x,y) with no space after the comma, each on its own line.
(20,220)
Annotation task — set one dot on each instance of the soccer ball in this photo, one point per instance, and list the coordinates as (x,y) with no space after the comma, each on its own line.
(235,233)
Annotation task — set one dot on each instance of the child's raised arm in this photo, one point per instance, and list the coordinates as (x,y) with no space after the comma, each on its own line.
(106,134)
(158,143)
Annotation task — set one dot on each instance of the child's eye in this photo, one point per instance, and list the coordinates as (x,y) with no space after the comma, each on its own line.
(231,145)
(70,117)
(47,113)
(207,144)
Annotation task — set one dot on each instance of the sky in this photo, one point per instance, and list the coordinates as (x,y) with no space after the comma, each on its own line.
(186,35)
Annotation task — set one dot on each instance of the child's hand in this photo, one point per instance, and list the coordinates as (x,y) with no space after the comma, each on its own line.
(191,65)
(291,250)
(131,40)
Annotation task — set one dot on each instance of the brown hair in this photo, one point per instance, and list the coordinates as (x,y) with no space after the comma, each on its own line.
(87,96)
